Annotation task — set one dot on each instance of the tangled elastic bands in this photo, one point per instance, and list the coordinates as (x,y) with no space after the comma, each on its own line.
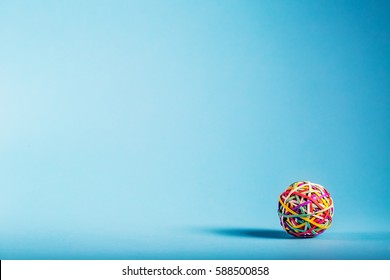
(305,209)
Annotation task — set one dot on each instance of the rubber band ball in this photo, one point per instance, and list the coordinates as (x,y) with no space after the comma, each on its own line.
(305,209)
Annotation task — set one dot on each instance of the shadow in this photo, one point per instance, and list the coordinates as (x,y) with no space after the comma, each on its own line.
(252,233)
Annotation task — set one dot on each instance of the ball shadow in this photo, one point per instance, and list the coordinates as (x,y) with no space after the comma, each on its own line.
(252,233)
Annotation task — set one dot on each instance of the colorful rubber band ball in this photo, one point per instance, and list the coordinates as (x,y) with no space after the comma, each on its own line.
(305,209)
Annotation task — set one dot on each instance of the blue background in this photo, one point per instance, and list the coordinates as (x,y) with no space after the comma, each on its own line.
(168,129)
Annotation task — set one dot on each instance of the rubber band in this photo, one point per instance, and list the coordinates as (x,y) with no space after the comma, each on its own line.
(305,209)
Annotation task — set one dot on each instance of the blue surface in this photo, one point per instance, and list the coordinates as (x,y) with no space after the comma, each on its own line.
(168,129)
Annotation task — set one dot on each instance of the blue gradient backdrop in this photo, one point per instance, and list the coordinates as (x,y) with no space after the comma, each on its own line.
(168,129)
